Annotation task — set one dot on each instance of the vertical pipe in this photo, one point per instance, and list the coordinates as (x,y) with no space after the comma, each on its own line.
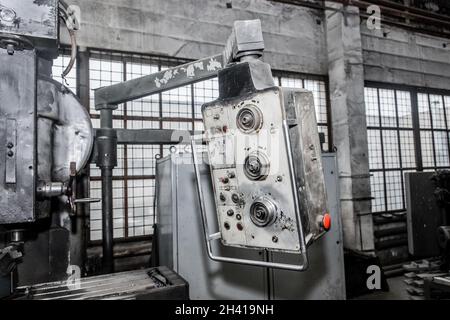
(106,161)
(107,221)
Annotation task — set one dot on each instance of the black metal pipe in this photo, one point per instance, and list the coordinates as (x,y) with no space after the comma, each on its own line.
(106,160)
(107,221)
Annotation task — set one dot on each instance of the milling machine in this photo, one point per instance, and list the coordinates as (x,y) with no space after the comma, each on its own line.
(264,154)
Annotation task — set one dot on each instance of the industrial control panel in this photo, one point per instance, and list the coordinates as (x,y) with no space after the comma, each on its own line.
(250,171)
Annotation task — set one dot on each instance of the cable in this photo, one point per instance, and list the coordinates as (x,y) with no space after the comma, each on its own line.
(72,24)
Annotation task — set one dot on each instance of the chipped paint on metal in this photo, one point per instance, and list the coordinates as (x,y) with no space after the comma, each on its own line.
(213,65)
(190,70)
(169,74)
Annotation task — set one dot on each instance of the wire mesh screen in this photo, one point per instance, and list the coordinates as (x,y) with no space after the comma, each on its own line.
(391,145)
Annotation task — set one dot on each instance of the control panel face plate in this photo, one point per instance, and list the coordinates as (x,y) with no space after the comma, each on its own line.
(250,172)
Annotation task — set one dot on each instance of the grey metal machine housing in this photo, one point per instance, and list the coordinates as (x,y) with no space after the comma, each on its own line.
(263,148)
(180,243)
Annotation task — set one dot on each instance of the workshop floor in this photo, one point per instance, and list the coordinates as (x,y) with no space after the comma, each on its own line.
(397,291)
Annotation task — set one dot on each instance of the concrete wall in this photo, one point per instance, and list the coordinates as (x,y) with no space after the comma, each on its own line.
(400,56)
(294,36)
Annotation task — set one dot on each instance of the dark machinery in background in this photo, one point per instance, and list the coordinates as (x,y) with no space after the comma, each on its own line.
(428,218)
(428,215)
(441,180)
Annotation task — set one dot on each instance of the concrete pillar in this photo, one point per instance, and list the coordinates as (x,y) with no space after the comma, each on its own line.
(346,82)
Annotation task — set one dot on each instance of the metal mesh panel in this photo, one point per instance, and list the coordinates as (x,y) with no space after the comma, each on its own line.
(387,108)
(375,152)
(372,110)
(391,145)
(134,175)
(407,149)
(377,187)
(424,111)
(394,190)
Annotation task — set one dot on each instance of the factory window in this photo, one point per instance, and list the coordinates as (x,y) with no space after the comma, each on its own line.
(408,130)
(134,176)
(390,136)
(434,123)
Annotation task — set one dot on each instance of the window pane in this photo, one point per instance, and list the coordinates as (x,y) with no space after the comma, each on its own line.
(320,98)
(390,148)
(387,108)
(377,190)
(375,154)
(426,143)
(404,109)
(394,190)
(104,71)
(205,91)
(441,148)
(141,159)
(140,200)
(291,82)
(424,110)
(147,106)
(407,149)
(177,103)
(437,112)
(447,109)
(372,112)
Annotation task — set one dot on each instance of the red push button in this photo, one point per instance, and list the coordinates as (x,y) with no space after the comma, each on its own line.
(326,221)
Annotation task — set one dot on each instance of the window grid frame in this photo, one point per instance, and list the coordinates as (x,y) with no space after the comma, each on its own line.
(415,128)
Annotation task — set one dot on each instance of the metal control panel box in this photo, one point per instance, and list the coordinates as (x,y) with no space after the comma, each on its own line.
(250,171)
(249,153)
